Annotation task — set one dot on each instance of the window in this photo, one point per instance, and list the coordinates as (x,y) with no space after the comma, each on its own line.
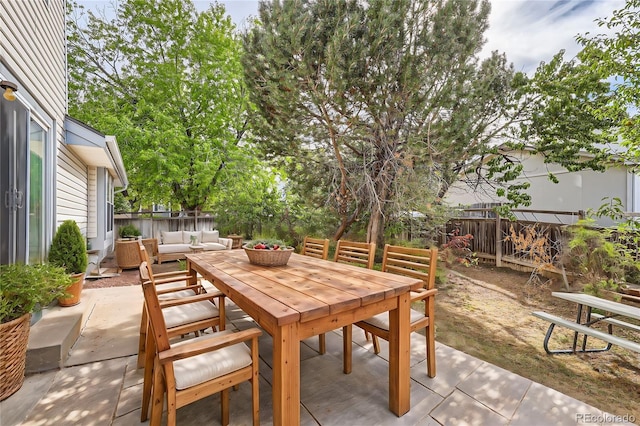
(109,198)
(37,156)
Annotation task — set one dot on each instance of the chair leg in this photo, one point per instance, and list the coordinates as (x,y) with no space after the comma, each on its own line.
(147,382)
(158,397)
(376,344)
(431,351)
(224,407)
(143,337)
(255,400)
(322,343)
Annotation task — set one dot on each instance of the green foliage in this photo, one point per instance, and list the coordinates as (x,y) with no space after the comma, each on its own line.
(613,57)
(68,249)
(24,288)
(604,258)
(128,230)
(373,108)
(166,80)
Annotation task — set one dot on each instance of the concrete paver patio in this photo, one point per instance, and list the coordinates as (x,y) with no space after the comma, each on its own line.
(100,384)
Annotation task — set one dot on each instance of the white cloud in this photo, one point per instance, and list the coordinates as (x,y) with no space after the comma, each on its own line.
(531,31)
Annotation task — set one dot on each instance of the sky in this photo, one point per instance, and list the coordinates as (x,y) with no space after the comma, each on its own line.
(528,31)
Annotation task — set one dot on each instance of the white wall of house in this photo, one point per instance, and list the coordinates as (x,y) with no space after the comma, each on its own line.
(33,55)
(34,136)
(575,191)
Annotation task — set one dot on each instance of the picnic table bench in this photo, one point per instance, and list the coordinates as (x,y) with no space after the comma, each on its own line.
(614,311)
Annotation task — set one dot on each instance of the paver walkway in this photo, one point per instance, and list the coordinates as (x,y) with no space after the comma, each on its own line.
(101,386)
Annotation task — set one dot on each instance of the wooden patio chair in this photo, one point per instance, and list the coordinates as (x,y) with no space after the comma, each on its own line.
(417,263)
(181,315)
(169,285)
(355,253)
(190,370)
(319,248)
(315,247)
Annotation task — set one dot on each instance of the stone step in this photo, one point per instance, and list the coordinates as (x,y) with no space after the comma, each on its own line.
(53,336)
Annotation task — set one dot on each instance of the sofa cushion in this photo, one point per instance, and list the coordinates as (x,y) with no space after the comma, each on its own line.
(186,236)
(210,236)
(214,246)
(171,237)
(173,248)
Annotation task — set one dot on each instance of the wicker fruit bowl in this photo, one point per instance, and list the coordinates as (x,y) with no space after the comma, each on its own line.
(266,257)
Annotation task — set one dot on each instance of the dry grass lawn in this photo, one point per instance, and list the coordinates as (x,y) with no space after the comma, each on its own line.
(487,313)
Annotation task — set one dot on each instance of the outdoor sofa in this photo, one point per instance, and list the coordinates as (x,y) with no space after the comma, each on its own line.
(173,245)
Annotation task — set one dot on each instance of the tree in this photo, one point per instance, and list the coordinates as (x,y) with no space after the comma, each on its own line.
(374,108)
(615,58)
(167,81)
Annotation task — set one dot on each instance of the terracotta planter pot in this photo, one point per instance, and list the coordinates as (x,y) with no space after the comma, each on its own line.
(14,336)
(75,289)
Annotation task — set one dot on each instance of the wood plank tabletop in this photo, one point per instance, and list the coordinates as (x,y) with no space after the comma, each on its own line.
(303,290)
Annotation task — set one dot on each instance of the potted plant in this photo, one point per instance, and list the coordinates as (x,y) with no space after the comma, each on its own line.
(68,250)
(129,231)
(23,289)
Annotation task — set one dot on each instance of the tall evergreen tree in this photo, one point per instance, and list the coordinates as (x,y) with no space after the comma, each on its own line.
(375,107)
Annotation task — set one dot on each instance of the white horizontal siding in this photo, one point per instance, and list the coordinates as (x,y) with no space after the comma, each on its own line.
(72,190)
(33,48)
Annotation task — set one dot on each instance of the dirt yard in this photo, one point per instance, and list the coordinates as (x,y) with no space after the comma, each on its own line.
(486,312)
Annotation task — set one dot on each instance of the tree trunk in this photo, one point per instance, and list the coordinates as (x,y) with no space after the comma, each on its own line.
(375,228)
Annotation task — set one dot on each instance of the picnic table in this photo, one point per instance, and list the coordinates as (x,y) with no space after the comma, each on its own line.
(615,314)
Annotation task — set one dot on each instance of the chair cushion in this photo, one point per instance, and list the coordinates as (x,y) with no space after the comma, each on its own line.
(201,368)
(173,248)
(186,236)
(210,236)
(176,294)
(171,237)
(190,312)
(382,320)
(214,246)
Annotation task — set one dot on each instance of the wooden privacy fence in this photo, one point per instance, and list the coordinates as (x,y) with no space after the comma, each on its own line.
(522,244)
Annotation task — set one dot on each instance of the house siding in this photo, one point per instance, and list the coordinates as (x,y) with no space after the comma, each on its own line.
(575,191)
(33,50)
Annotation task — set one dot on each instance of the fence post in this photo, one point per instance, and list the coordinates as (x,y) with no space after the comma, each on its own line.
(498,241)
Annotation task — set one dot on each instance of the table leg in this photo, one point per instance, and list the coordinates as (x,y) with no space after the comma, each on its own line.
(286,375)
(399,357)
(575,335)
(193,275)
(347,348)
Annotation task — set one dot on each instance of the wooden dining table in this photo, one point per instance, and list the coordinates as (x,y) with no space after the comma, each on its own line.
(307,297)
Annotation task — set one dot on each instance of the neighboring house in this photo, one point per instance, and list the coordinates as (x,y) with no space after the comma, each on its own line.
(575,191)
(52,167)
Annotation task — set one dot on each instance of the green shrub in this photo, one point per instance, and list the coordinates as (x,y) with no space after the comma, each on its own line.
(24,288)
(128,231)
(68,248)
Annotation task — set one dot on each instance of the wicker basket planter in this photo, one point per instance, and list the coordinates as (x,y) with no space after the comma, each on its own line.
(14,336)
(268,257)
